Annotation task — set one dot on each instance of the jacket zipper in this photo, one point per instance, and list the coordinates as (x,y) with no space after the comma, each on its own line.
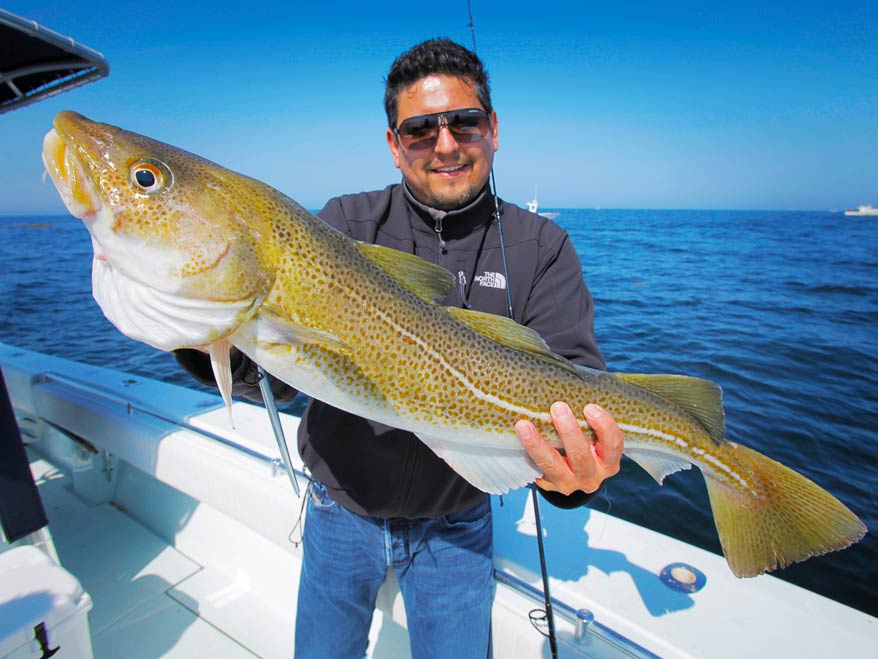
(438,229)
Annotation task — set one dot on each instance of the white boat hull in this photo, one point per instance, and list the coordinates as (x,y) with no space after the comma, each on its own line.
(180,529)
(862,211)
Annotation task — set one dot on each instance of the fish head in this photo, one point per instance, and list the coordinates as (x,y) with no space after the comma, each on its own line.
(182,247)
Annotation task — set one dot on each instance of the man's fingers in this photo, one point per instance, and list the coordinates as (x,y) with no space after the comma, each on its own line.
(564,420)
(557,474)
(577,447)
(546,486)
(545,457)
(610,441)
(585,462)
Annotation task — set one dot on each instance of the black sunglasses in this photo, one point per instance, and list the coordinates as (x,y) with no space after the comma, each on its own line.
(422,132)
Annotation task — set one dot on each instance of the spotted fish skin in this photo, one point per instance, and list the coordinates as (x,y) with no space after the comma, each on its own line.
(189,254)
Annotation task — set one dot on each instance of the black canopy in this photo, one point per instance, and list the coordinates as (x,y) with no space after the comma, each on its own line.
(36,62)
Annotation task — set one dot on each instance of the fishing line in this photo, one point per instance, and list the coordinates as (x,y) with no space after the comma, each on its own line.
(536,615)
(502,245)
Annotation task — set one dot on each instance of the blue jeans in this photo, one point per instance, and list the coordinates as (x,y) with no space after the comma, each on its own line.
(444,568)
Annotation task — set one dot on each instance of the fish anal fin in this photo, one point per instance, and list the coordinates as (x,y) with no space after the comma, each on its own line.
(701,398)
(277,329)
(428,281)
(786,519)
(492,470)
(657,464)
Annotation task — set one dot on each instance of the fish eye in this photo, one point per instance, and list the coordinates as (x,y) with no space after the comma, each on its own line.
(150,176)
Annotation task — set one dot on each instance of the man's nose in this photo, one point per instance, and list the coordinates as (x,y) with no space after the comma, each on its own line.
(445,142)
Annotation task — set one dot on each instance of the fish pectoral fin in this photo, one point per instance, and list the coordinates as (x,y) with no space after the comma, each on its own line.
(490,469)
(428,281)
(507,332)
(222,372)
(701,398)
(274,328)
(657,464)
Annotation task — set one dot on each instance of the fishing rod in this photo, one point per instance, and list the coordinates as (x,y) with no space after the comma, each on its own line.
(471,25)
(549,613)
(276,427)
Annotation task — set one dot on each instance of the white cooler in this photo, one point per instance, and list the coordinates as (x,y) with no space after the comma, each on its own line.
(43,609)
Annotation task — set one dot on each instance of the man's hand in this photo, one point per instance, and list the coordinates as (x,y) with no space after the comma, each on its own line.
(584,465)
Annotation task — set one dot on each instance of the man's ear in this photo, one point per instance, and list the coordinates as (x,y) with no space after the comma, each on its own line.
(394,146)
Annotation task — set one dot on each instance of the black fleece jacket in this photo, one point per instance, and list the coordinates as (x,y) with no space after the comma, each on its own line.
(376,470)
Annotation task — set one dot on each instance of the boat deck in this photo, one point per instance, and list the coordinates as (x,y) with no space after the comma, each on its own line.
(139,584)
(151,600)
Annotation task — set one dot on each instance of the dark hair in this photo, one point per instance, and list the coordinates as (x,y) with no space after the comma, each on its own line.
(435,56)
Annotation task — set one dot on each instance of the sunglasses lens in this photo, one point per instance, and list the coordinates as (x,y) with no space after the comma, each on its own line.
(467,126)
(422,132)
(419,132)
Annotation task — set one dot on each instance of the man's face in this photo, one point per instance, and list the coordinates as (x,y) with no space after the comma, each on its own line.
(450,175)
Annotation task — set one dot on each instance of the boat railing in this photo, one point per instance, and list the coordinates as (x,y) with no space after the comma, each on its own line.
(582,619)
(132,407)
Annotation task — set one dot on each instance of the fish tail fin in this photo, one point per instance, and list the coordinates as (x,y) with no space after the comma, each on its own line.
(790,520)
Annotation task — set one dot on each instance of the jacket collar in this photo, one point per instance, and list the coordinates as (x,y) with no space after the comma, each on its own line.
(454,224)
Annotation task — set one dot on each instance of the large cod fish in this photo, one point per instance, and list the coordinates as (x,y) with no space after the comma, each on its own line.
(188,254)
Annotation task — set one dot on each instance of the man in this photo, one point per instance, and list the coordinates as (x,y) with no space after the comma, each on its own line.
(380,498)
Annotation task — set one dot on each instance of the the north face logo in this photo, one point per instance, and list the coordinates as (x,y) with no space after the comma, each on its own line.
(491,280)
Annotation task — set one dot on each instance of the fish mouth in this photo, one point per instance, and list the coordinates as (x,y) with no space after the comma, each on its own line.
(69,175)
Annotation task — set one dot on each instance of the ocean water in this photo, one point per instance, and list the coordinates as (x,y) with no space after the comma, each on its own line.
(780,308)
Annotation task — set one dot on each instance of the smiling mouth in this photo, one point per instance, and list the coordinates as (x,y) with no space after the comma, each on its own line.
(452,169)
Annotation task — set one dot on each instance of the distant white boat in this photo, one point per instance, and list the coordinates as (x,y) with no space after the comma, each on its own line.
(867,209)
(534,207)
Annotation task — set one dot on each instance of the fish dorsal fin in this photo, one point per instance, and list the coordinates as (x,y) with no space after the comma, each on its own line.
(701,398)
(508,333)
(426,280)
(275,328)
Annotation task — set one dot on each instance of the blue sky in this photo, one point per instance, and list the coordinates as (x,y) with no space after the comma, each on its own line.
(762,105)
